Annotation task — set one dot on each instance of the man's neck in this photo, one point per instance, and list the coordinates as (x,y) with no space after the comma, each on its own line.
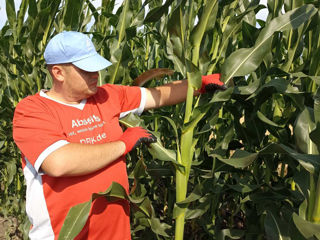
(59,97)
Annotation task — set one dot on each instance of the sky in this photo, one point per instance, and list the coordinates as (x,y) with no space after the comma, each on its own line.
(3,16)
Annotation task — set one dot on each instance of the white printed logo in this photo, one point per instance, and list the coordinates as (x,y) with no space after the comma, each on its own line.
(93,140)
(86,121)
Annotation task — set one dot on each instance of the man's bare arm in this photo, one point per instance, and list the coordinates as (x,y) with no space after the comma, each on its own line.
(176,92)
(166,95)
(76,159)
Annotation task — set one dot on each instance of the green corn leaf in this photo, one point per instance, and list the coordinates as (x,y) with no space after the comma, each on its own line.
(194,75)
(157,150)
(175,54)
(230,234)
(303,209)
(32,9)
(124,22)
(311,162)
(316,106)
(315,63)
(294,46)
(120,58)
(274,228)
(280,85)
(156,13)
(197,114)
(247,60)
(264,119)
(41,24)
(143,205)
(243,188)
(157,227)
(21,13)
(72,14)
(139,170)
(75,221)
(93,10)
(249,89)
(174,126)
(176,39)
(11,170)
(207,20)
(303,75)
(315,136)
(306,228)
(240,158)
(114,191)
(196,194)
(11,12)
(303,127)
(161,153)
(198,212)
(176,26)
(131,120)
(202,207)
(78,215)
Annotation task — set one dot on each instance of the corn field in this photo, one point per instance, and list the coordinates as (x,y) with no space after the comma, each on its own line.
(240,164)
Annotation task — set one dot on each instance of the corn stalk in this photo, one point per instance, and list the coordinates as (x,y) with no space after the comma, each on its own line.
(187,141)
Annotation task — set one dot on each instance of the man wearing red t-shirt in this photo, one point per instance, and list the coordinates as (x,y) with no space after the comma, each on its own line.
(72,144)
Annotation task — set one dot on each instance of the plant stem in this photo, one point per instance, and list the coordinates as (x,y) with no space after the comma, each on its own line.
(181,191)
(188,102)
(186,159)
(311,198)
(316,210)
(182,180)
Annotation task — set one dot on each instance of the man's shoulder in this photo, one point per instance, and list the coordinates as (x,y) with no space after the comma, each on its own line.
(109,86)
(108,89)
(29,98)
(30,102)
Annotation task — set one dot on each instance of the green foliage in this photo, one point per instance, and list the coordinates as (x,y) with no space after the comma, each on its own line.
(246,159)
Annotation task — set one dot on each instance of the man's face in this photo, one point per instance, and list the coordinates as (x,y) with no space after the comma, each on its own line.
(78,83)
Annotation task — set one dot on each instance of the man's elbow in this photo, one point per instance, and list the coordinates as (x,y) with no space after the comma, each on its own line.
(53,168)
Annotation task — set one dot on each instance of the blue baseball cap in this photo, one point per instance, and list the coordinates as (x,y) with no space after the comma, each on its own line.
(76,48)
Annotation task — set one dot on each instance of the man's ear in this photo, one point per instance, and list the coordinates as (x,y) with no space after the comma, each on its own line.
(58,72)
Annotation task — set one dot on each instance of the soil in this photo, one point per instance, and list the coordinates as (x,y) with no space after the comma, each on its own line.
(9,229)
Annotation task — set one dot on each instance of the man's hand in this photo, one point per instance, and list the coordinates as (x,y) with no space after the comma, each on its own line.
(132,137)
(211,83)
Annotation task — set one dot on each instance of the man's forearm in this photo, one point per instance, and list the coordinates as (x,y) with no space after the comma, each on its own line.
(76,159)
(176,92)
(166,95)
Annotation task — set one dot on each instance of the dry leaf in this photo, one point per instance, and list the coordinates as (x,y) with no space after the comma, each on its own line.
(150,74)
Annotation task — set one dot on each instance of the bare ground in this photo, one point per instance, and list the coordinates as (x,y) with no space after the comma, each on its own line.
(9,229)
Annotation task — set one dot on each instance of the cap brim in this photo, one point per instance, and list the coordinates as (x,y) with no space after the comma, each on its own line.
(93,63)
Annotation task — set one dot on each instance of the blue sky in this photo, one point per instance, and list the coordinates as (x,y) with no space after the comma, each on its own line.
(3,16)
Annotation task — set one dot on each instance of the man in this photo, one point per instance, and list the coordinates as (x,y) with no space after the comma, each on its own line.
(72,144)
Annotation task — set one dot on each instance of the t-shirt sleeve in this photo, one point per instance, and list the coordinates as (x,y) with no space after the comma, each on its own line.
(132,99)
(36,131)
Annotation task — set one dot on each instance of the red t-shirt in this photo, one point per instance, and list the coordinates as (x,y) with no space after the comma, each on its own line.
(41,125)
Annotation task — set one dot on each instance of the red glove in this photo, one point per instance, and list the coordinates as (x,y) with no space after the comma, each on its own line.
(132,137)
(211,83)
